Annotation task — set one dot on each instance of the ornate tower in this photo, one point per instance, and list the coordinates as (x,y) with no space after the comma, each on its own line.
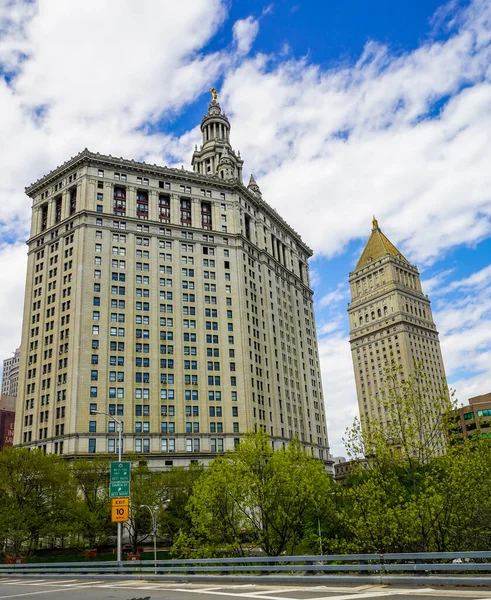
(254,188)
(390,318)
(216,156)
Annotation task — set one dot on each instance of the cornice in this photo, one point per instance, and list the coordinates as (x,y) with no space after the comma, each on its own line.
(90,158)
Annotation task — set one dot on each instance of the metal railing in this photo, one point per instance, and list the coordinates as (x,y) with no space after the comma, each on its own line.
(443,568)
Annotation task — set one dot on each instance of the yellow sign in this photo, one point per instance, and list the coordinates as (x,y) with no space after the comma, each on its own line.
(119,513)
(119,502)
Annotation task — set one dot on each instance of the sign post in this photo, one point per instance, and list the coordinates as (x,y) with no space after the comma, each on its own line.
(119,491)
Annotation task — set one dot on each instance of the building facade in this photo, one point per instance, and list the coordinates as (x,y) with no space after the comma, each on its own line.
(7,420)
(471,420)
(176,301)
(10,376)
(390,319)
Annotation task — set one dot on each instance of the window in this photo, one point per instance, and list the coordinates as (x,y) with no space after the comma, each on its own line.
(216,444)
(168,445)
(92,445)
(119,203)
(206,215)
(186,212)
(142,203)
(164,208)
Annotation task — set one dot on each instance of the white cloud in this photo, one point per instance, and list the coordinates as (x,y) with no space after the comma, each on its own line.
(335,296)
(13,261)
(435,284)
(475,281)
(357,140)
(245,32)
(464,321)
(339,388)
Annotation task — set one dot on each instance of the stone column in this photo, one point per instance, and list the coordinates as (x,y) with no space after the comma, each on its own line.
(153,205)
(195,213)
(131,201)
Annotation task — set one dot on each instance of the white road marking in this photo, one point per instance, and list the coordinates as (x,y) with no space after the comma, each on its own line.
(52,582)
(26,581)
(118,584)
(80,584)
(265,591)
(32,593)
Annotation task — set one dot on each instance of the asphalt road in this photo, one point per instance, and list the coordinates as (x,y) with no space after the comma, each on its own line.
(81,589)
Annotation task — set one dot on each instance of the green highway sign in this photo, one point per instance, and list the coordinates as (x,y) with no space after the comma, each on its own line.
(120,471)
(119,490)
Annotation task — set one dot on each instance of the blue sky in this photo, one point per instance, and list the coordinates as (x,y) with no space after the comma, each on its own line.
(342,109)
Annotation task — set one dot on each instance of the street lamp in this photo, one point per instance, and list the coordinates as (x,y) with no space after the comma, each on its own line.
(120,429)
(154,526)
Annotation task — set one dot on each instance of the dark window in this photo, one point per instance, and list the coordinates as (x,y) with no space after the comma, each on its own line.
(164,208)
(119,204)
(206,215)
(186,212)
(142,204)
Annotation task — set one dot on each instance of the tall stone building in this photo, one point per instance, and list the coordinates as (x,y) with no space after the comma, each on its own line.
(10,375)
(390,318)
(176,301)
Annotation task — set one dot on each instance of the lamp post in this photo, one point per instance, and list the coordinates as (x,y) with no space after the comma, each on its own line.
(120,447)
(154,527)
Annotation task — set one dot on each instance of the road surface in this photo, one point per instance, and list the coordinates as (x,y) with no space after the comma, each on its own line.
(82,589)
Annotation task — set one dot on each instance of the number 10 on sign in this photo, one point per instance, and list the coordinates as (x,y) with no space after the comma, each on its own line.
(119,510)
(119,514)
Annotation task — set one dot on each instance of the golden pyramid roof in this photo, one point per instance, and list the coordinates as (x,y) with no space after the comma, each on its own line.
(377,246)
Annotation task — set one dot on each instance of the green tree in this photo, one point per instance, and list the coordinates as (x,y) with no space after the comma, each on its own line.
(92,511)
(177,484)
(146,489)
(413,422)
(254,496)
(36,493)
(413,491)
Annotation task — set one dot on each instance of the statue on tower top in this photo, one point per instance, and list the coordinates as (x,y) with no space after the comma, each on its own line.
(214,94)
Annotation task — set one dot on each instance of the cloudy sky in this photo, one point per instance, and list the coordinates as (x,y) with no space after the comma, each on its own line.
(342,109)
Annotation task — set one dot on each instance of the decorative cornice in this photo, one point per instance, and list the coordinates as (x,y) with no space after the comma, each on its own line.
(87,158)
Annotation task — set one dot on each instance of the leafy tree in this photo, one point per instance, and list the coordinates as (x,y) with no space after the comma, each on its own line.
(36,494)
(92,511)
(178,484)
(413,422)
(254,496)
(146,489)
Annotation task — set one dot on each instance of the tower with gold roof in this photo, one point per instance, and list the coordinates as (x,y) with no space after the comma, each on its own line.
(390,319)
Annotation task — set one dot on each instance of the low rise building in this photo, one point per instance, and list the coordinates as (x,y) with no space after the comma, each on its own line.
(471,420)
(7,420)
